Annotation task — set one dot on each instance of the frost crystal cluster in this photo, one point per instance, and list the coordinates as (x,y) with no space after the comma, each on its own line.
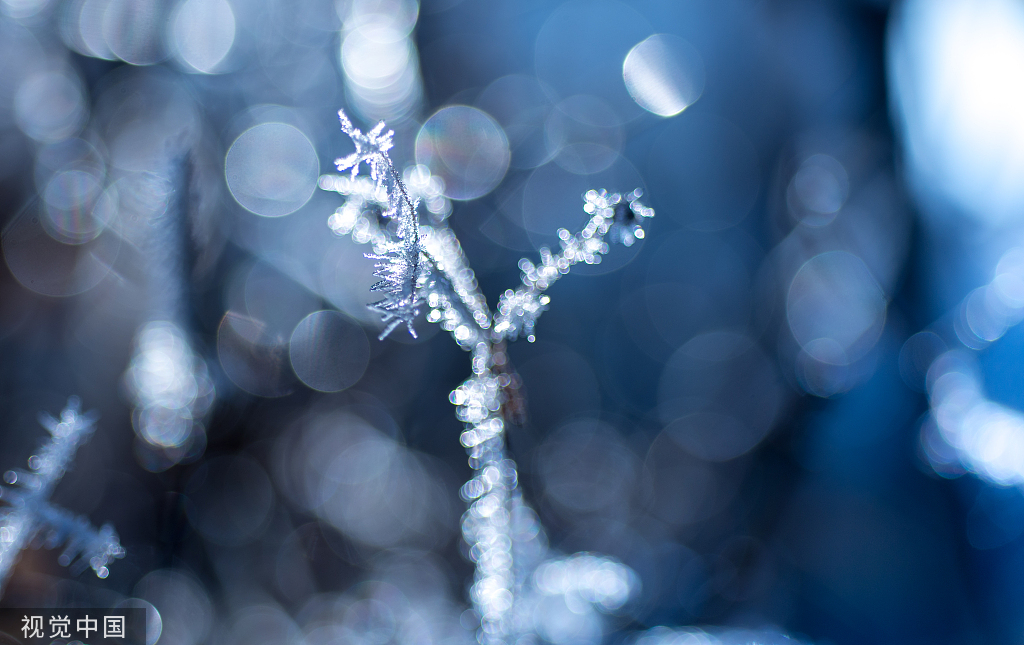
(30,518)
(422,267)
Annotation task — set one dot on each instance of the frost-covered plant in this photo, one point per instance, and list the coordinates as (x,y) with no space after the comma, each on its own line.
(167,381)
(967,430)
(30,519)
(422,266)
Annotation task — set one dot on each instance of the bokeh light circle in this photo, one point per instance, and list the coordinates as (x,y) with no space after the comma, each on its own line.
(328,352)
(132,30)
(376,55)
(271,169)
(521,104)
(48,267)
(364,483)
(719,395)
(584,134)
(203,32)
(50,106)
(77,209)
(664,74)
(89,18)
(154,622)
(835,308)
(185,609)
(581,46)
(251,361)
(465,147)
(272,302)
(587,468)
(818,190)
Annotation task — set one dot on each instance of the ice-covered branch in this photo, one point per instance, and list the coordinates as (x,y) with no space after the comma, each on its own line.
(30,518)
(455,299)
(423,264)
(167,380)
(515,570)
(614,216)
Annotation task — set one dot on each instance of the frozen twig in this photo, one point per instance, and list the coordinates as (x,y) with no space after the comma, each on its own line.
(614,216)
(400,260)
(31,519)
(423,264)
(168,382)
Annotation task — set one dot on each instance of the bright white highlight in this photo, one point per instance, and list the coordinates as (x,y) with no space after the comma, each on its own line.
(588,578)
(664,74)
(957,70)
(170,385)
(375,56)
(988,437)
(378,57)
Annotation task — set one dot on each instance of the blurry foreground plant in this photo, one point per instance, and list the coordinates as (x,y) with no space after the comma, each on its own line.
(32,520)
(422,266)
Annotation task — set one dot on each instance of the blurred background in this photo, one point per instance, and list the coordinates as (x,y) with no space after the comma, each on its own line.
(795,406)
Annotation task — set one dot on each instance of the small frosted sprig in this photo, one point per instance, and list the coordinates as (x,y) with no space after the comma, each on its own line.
(424,265)
(613,216)
(477,403)
(454,298)
(362,213)
(623,214)
(31,519)
(400,264)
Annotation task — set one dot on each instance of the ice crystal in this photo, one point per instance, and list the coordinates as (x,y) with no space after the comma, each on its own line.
(400,263)
(422,266)
(400,268)
(371,148)
(31,519)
